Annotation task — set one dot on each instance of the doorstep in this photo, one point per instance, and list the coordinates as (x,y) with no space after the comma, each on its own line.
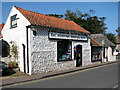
(14,80)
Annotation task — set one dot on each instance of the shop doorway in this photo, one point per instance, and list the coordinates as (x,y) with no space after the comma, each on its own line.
(78,55)
(24,61)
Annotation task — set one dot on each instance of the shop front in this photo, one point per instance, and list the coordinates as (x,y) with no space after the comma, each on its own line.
(72,45)
(96,51)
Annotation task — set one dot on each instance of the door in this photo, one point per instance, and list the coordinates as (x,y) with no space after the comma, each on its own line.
(24,62)
(107,54)
(78,55)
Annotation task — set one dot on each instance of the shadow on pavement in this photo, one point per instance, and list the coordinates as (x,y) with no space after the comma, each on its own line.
(8,73)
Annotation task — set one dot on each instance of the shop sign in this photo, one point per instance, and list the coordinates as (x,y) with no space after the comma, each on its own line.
(55,35)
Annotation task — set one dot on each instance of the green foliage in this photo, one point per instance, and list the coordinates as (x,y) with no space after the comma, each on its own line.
(13,50)
(93,24)
(111,37)
(55,15)
(12,65)
(118,31)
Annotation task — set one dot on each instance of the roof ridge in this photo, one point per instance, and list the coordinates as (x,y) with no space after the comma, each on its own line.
(39,19)
(44,14)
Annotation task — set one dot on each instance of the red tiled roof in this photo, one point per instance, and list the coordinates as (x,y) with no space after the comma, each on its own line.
(117,39)
(49,21)
(117,42)
(1,27)
(95,43)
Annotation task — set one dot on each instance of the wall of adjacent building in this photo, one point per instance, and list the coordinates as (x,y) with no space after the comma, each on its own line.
(17,34)
(118,46)
(111,57)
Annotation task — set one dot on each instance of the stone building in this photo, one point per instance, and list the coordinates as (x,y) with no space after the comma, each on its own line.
(46,43)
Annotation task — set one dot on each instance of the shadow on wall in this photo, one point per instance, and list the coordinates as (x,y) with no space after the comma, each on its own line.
(4,48)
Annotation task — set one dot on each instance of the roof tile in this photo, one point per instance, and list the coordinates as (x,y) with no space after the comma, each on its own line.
(49,21)
(1,27)
(95,43)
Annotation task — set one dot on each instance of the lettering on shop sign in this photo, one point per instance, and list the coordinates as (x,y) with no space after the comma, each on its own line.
(55,35)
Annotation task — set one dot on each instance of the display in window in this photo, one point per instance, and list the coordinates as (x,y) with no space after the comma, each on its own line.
(96,54)
(64,50)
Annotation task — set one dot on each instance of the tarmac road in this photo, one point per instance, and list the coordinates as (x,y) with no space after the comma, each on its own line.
(99,77)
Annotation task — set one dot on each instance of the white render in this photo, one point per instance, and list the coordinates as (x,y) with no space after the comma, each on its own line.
(111,57)
(18,34)
(42,50)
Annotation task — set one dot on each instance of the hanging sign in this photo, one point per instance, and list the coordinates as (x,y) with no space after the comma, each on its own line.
(55,35)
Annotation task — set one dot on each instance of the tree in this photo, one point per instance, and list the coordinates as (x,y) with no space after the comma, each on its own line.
(93,24)
(118,31)
(111,37)
(55,15)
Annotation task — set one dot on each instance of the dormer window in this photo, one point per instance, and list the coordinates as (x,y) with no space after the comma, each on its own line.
(14,21)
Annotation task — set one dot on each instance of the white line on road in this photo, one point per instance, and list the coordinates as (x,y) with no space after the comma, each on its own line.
(115,86)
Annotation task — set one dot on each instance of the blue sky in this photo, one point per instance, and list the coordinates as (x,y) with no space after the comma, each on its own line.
(103,9)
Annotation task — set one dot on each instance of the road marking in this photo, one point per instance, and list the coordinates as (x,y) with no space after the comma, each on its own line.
(56,76)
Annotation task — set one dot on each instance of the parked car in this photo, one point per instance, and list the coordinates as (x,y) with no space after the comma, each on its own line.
(3,68)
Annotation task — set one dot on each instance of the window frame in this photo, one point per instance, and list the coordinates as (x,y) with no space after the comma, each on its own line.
(13,19)
(96,50)
(70,42)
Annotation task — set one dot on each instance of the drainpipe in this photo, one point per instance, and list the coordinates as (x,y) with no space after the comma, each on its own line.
(27,49)
(102,50)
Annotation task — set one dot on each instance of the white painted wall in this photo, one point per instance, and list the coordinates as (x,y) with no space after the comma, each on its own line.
(86,51)
(110,56)
(18,34)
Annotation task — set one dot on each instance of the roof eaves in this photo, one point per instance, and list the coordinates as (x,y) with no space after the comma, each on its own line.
(23,10)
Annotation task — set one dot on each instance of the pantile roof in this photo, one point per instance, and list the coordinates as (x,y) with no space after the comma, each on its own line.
(100,37)
(1,27)
(50,21)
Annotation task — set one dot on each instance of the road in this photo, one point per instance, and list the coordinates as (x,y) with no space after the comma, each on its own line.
(99,77)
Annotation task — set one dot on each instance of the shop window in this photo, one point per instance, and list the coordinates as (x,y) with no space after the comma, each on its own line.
(13,21)
(96,54)
(64,50)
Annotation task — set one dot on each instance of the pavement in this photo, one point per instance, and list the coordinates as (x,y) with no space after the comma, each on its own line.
(6,81)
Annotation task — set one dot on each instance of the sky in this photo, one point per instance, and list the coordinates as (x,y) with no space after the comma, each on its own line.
(102,9)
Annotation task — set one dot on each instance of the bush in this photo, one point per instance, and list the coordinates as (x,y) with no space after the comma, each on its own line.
(12,64)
